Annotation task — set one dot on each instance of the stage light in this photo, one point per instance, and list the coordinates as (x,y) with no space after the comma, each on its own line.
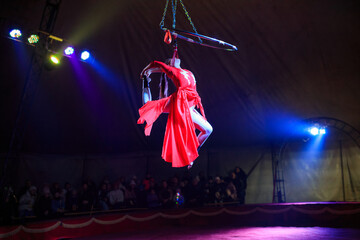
(314,131)
(322,131)
(33,39)
(69,51)
(15,33)
(85,55)
(54,59)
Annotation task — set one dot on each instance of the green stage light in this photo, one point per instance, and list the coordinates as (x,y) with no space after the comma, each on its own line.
(33,39)
(54,59)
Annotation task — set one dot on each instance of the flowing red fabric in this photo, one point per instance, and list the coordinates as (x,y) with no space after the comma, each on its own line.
(180,141)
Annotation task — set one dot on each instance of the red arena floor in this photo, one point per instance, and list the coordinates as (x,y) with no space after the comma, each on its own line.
(249,233)
(256,221)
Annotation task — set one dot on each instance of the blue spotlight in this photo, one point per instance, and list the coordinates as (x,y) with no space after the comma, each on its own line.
(69,51)
(322,131)
(314,131)
(85,55)
(15,33)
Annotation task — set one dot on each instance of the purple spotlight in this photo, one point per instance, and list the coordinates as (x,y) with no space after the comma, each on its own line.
(69,51)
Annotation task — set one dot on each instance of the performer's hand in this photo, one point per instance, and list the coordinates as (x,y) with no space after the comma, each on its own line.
(145,71)
(147,79)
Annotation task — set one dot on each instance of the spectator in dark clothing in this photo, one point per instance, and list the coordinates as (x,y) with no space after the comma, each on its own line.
(202,179)
(58,205)
(44,204)
(103,199)
(142,197)
(174,183)
(146,182)
(218,190)
(92,189)
(131,193)
(8,204)
(72,202)
(208,197)
(152,199)
(194,194)
(153,183)
(66,191)
(55,188)
(241,184)
(86,198)
(165,195)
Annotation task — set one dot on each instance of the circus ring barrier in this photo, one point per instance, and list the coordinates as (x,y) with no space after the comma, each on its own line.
(286,214)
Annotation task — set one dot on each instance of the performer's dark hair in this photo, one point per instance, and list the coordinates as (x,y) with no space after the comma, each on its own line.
(163,86)
(168,61)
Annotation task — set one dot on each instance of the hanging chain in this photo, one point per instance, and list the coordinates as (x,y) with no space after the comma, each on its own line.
(174,6)
(163,17)
(174,12)
(189,18)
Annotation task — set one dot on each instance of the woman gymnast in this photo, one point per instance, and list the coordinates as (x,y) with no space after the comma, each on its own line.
(181,144)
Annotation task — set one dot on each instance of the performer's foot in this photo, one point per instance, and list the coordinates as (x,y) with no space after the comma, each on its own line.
(190,165)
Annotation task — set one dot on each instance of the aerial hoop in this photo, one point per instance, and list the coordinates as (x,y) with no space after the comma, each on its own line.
(199,39)
(171,34)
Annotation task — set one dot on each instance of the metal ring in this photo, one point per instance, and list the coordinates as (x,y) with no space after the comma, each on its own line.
(182,35)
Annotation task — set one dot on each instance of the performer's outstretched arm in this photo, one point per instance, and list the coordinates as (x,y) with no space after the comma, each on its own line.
(153,67)
(156,67)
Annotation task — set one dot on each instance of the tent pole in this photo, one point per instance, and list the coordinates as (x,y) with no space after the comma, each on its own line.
(342,170)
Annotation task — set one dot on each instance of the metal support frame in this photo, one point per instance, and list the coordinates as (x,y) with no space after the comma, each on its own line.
(33,76)
(277,151)
(344,127)
(279,195)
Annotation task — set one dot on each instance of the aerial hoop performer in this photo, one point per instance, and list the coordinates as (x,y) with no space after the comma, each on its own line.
(181,144)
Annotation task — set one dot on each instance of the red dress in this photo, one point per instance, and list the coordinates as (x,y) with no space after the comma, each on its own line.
(180,141)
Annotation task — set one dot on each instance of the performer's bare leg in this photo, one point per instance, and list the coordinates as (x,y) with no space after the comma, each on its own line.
(202,125)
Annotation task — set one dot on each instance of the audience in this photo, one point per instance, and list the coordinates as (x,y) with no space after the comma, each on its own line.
(175,192)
